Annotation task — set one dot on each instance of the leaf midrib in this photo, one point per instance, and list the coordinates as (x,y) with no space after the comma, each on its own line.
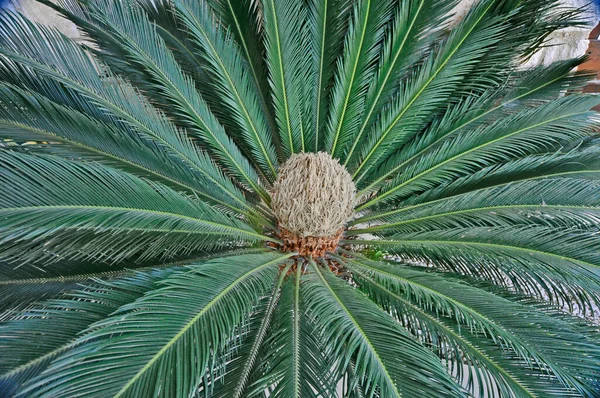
(256,345)
(393,124)
(135,210)
(449,330)
(352,77)
(281,71)
(455,157)
(472,243)
(195,319)
(358,328)
(320,73)
(466,211)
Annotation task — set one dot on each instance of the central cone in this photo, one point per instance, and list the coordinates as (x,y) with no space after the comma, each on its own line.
(313,197)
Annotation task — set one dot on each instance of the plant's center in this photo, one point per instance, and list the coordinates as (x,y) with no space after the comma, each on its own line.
(312,198)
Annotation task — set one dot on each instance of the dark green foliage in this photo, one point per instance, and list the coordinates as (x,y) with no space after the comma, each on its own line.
(138,250)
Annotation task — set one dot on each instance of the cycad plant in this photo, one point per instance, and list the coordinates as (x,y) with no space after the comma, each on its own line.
(297,198)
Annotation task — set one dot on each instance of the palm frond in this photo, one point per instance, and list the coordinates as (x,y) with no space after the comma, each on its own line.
(109,49)
(534,202)
(56,209)
(20,287)
(296,364)
(429,87)
(25,45)
(244,21)
(537,84)
(579,163)
(106,47)
(71,133)
(18,297)
(146,48)
(244,368)
(416,25)
(530,25)
(545,128)
(36,336)
(225,61)
(163,16)
(179,334)
(328,21)
(355,71)
(522,257)
(356,328)
(289,69)
(488,65)
(424,301)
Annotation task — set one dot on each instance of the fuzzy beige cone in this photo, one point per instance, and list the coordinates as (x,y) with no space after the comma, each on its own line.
(313,195)
(312,198)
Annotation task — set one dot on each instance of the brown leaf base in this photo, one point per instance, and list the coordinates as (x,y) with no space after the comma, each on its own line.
(309,246)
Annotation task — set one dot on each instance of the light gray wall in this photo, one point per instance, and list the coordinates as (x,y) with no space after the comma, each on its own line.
(567,43)
(43,14)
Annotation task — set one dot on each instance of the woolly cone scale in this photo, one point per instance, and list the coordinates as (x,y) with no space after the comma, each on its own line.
(312,199)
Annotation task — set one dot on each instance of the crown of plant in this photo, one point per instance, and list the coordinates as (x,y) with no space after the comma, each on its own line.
(178,212)
(313,197)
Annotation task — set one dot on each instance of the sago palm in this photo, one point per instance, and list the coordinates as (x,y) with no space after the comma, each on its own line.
(297,198)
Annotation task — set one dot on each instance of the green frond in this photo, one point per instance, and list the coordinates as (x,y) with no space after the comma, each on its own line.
(243,20)
(487,63)
(429,87)
(352,387)
(21,286)
(244,368)
(566,203)
(530,25)
(388,359)
(144,47)
(328,21)
(533,260)
(177,326)
(416,25)
(517,355)
(25,45)
(545,128)
(289,70)
(16,298)
(355,71)
(69,133)
(537,84)
(579,163)
(163,16)
(225,61)
(109,49)
(297,366)
(54,209)
(38,335)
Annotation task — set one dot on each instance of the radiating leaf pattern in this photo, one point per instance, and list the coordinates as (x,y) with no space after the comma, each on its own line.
(140,256)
